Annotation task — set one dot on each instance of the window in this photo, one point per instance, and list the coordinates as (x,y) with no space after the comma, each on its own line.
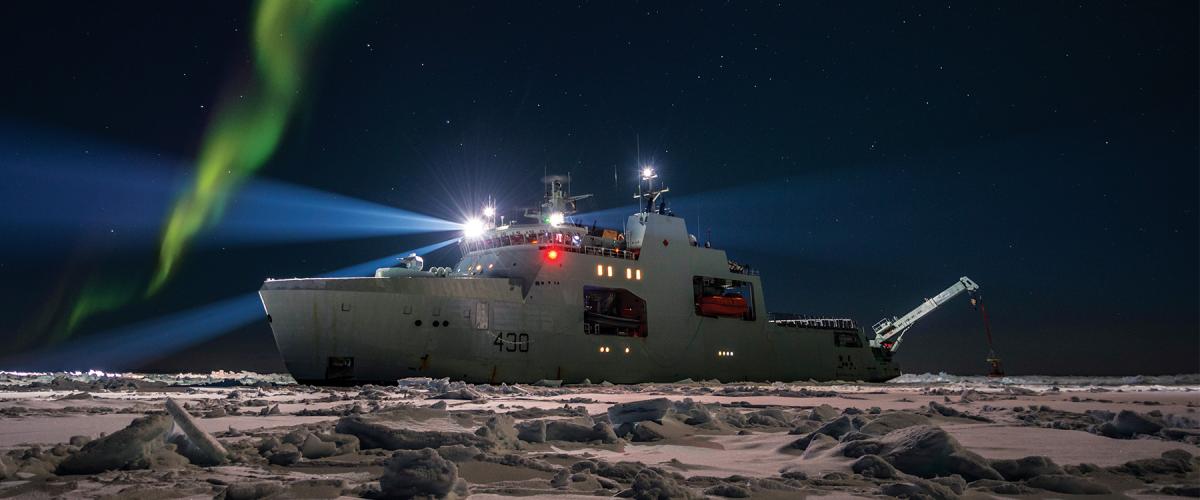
(723,298)
(846,339)
(613,311)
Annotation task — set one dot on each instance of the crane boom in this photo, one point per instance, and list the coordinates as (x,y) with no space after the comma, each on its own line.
(889,332)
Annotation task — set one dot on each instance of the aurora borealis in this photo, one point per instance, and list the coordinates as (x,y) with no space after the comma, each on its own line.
(245,131)
(247,128)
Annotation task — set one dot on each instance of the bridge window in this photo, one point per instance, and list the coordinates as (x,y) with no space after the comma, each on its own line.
(846,339)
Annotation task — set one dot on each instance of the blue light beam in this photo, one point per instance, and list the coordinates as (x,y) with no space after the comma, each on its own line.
(273,212)
(58,189)
(133,345)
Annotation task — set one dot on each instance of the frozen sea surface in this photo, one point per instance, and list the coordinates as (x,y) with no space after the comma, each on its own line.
(215,379)
(1130,436)
(221,378)
(1184,382)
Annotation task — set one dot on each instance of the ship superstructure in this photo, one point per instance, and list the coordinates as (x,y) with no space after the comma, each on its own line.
(555,300)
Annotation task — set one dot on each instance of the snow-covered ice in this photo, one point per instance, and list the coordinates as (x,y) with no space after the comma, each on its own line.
(96,434)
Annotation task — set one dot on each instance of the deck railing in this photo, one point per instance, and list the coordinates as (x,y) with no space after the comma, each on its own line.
(794,321)
(601,251)
(568,245)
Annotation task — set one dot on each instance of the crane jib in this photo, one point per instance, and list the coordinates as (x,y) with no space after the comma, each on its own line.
(890,332)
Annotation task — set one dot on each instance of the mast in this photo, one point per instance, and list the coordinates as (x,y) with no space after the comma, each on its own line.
(648,198)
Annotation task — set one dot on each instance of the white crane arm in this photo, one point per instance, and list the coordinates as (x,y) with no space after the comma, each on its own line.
(889,332)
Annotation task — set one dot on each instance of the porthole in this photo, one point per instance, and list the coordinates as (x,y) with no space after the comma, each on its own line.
(445,324)
(417,323)
(436,323)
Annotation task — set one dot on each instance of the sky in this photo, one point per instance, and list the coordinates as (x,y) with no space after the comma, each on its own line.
(861,155)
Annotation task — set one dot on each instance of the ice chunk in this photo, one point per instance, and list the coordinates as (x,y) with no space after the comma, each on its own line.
(133,447)
(925,451)
(285,454)
(692,412)
(379,435)
(649,484)
(817,445)
(1127,424)
(834,429)
(502,430)
(419,473)
(823,413)
(918,488)
(638,411)
(314,447)
(889,422)
(1071,485)
(465,393)
(873,466)
(1025,468)
(728,490)
(252,491)
(202,449)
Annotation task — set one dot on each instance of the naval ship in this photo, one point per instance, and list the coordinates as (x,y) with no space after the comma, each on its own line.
(553,300)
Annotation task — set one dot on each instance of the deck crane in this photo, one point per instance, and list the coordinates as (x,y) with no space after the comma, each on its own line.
(890,331)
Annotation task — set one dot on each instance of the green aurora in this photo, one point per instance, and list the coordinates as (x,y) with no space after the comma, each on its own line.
(244,133)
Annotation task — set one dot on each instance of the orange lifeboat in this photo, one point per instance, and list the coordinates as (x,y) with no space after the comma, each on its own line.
(729,305)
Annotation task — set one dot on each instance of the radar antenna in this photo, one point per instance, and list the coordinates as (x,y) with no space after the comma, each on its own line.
(650,197)
(557,203)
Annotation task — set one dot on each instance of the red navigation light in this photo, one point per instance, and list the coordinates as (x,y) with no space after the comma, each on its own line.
(552,254)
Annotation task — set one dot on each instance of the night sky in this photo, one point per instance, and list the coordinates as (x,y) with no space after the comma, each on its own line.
(862,156)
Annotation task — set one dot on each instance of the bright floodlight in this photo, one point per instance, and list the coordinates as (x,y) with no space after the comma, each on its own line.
(473,228)
(556,218)
(647,172)
(489,211)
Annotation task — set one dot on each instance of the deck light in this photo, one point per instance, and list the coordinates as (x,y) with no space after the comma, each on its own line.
(647,172)
(489,211)
(557,218)
(552,254)
(473,228)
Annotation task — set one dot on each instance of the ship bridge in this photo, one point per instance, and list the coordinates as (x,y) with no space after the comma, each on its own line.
(566,237)
(483,239)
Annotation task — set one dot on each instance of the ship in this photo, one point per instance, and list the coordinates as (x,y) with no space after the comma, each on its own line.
(545,298)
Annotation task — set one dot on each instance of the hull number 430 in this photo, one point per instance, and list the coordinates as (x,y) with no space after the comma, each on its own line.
(512,342)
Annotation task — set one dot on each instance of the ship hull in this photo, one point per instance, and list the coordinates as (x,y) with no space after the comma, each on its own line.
(333,331)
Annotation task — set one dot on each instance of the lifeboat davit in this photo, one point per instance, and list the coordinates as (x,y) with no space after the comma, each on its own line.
(728,305)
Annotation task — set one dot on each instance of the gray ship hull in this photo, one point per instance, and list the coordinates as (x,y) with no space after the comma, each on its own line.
(358,330)
(527,303)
